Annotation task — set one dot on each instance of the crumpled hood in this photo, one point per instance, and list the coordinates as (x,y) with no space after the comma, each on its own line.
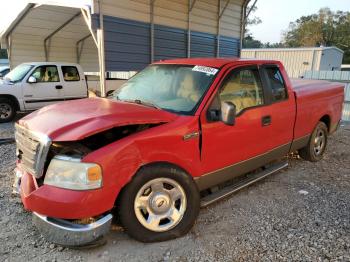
(75,120)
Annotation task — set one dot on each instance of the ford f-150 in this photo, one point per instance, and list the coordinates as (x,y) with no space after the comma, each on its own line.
(178,135)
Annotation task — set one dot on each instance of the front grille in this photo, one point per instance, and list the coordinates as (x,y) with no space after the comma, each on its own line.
(32,149)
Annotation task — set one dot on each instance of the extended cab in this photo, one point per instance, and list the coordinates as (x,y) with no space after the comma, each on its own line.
(179,135)
(31,86)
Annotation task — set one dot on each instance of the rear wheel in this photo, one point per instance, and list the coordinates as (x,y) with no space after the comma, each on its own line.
(159,204)
(7,110)
(317,144)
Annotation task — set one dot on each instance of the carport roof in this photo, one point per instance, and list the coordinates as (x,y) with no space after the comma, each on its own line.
(38,16)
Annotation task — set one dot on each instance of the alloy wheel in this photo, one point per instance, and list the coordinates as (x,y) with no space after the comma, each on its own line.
(160,204)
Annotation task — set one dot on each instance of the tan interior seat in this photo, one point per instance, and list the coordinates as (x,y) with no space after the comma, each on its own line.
(242,100)
(187,89)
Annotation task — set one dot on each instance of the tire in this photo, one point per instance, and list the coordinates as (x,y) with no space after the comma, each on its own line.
(317,144)
(147,204)
(7,110)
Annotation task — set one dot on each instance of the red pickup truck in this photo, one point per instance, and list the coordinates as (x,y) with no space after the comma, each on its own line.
(178,135)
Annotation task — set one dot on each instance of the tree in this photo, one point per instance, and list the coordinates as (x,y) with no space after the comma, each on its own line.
(274,45)
(326,28)
(3,54)
(248,40)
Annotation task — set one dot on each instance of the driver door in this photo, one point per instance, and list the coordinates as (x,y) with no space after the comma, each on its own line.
(47,89)
(228,150)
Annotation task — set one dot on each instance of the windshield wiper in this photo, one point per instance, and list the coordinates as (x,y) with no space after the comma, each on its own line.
(140,102)
(9,80)
(145,103)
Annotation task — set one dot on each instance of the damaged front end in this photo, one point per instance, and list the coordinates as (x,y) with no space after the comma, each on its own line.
(50,173)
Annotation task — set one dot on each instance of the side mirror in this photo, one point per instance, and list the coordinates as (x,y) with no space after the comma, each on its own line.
(32,80)
(228,113)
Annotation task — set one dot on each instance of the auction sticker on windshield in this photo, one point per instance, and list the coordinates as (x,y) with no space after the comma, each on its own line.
(205,69)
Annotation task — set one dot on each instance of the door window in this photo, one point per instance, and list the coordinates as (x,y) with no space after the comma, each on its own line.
(70,73)
(46,74)
(276,83)
(243,88)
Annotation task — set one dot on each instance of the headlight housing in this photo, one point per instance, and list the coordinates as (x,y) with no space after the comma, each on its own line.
(70,173)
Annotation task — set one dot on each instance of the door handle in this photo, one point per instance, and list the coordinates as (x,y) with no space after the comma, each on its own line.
(59,87)
(266,120)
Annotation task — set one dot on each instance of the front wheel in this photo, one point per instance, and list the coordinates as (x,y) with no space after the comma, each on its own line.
(159,204)
(7,110)
(317,144)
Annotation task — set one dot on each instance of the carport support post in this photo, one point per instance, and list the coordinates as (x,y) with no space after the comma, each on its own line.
(219,16)
(101,53)
(218,30)
(47,40)
(244,16)
(152,28)
(9,48)
(79,47)
(190,7)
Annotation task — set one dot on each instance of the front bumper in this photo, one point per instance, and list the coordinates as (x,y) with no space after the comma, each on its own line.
(62,203)
(69,234)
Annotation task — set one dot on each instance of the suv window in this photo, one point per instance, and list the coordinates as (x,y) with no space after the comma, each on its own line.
(46,74)
(70,73)
(243,88)
(276,83)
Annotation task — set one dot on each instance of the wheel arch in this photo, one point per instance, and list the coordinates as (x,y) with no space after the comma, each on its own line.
(152,165)
(12,98)
(327,120)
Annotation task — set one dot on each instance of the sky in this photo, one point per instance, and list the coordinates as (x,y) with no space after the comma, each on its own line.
(277,14)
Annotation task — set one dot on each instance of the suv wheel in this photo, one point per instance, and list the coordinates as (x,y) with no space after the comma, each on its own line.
(159,204)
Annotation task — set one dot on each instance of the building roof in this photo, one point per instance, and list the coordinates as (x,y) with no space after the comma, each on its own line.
(294,49)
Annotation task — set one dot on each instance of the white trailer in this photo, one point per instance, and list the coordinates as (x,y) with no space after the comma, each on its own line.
(298,60)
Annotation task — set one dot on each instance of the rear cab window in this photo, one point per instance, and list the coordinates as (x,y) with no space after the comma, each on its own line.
(275,83)
(70,73)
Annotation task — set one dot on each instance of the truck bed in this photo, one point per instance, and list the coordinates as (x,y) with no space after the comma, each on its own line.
(312,97)
(303,85)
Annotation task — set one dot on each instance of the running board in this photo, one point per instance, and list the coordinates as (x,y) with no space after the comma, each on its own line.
(218,195)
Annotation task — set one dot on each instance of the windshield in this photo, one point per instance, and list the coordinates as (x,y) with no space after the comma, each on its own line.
(18,73)
(174,88)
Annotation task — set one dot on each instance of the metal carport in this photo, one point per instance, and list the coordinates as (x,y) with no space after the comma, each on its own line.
(124,35)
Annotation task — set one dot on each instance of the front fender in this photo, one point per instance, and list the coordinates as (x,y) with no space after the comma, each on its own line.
(122,159)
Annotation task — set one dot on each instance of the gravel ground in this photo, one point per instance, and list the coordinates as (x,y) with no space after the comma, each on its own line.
(302,213)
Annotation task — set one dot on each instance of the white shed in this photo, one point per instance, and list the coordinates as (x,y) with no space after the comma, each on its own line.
(124,35)
(299,60)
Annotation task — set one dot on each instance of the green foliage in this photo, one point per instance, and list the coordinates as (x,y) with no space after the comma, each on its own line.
(253,20)
(250,42)
(274,45)
(3,54)
(326,28)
